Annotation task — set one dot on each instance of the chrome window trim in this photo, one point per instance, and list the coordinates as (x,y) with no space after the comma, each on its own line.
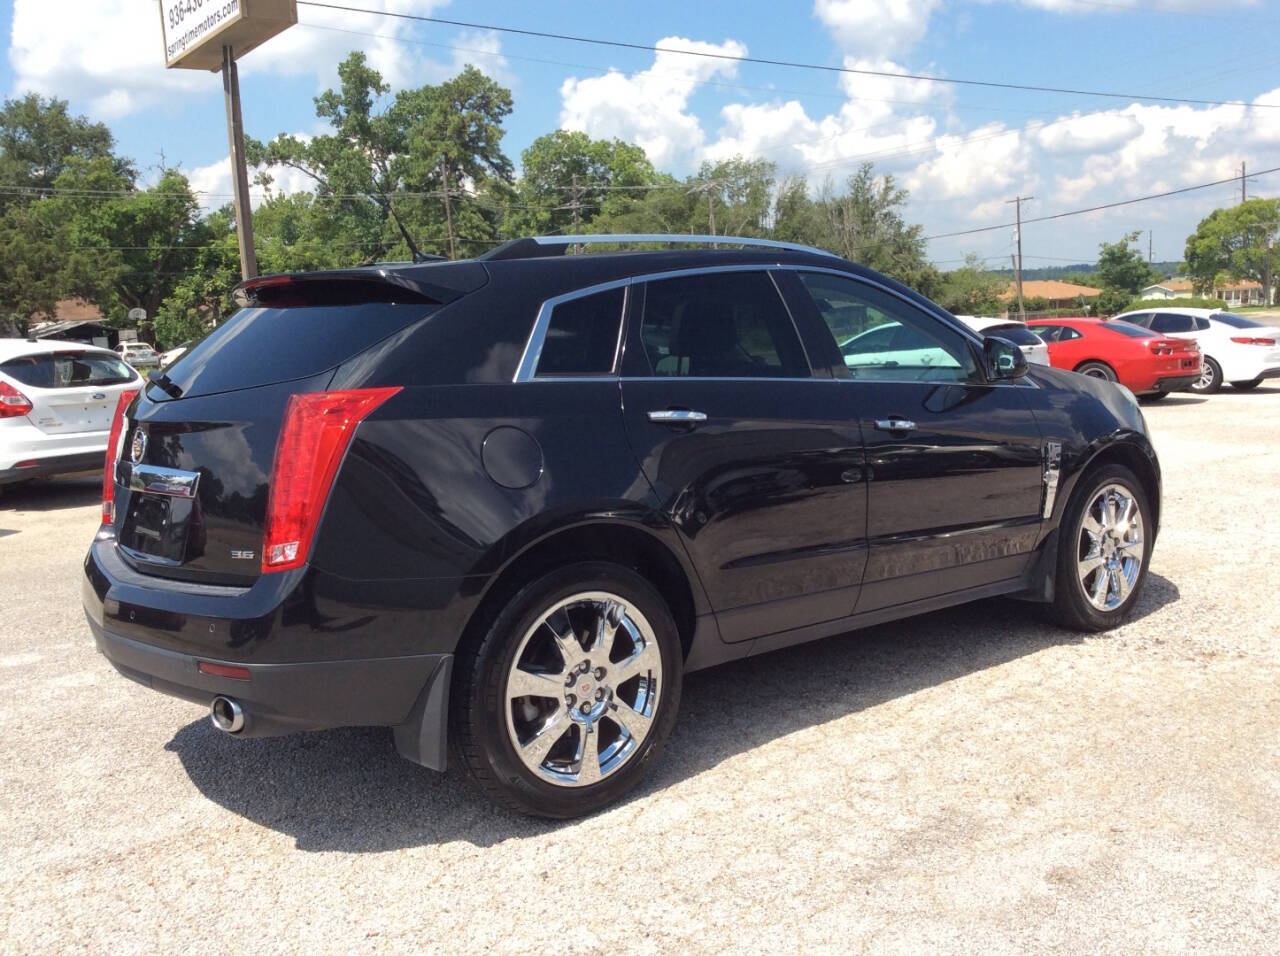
(533,345)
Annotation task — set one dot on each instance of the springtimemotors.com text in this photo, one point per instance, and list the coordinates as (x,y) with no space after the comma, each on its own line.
(178,16)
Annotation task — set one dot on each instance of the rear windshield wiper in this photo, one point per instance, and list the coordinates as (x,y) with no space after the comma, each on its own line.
(162,380)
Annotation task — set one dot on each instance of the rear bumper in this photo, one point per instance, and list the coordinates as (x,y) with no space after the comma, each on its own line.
(144,637)
(45,466)
(1175,383)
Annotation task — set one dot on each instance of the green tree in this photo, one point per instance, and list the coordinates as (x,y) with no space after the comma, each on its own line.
(424,168)
(1242,242)
(39,138)
(795,215)
(733,197)
(972,290)
(1123,272)
(568,179)
(31,247)
(865,224)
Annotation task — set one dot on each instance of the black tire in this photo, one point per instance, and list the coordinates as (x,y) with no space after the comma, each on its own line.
(1097,370)
(479,722)
(1246,386)
(1071,608)
(1210,379)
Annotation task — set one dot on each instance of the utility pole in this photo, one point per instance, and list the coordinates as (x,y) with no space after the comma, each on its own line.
(239,174)
(1150,256)
(448,211)
(1243,196)
(1017,269)
(574,204)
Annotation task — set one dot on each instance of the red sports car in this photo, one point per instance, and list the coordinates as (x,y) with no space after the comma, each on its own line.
(1143,361)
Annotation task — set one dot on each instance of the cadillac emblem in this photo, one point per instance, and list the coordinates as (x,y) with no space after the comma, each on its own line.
(139,446)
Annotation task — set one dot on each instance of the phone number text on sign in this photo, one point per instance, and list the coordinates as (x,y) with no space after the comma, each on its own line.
(189,21)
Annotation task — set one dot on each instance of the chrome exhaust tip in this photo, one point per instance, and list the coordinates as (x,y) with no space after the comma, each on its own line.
(227,715)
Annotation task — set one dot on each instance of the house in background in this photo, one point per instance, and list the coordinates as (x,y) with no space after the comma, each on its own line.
(1169,289)
(1059,295)
(1242,292)
(75,320)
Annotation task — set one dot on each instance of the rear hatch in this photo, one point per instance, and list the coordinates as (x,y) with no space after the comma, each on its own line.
(194,477)
(71,390)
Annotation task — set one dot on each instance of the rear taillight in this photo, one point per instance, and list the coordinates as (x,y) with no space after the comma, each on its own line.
(1161,348)
(316,432)
(13,404)
(1244,340)
(113,453)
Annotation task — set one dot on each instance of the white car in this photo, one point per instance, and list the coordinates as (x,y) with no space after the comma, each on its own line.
(895,347)
(1033,347)
(171,356)
(57,400)
(1236,350)
(138,354)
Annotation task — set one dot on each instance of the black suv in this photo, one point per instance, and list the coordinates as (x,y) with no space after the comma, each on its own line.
(502,505)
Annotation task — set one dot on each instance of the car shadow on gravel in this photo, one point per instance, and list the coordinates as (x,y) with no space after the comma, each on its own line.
(348,790)
(52,494)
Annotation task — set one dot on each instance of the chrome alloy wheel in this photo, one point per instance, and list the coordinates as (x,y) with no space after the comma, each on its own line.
(1207,376)
(582,691)
(1111,547)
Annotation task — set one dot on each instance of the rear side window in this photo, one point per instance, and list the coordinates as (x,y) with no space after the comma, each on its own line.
(729,325)
(1168,322)
(1141,318)
(261,346)
(582,335)
(1124,328)
(68,370)
(1202,324)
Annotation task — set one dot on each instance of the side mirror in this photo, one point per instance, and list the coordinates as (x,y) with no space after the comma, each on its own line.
(1004,359)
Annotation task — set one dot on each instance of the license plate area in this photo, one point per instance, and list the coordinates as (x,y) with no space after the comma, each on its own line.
(158,526)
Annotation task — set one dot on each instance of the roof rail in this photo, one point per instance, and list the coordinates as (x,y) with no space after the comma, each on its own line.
(535,247)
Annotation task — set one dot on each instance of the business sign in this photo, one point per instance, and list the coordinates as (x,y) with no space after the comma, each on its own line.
(195,31)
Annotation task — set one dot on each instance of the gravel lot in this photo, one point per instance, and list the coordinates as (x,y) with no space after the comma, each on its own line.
(970,780)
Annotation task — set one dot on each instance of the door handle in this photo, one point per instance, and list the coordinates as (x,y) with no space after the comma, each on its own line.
(895,424)
(677,416)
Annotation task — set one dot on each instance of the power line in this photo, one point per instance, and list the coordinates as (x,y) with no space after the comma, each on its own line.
(792,64)
(1109,205)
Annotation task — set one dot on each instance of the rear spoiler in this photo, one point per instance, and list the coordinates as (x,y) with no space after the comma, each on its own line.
(425,284)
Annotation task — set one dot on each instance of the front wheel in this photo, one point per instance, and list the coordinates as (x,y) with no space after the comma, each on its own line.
(1246,386)
(1210,380)
(571,692)
(1103,550)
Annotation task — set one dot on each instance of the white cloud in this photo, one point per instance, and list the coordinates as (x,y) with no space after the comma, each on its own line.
(112,58)
(876,27)
(212,182)
(650,107)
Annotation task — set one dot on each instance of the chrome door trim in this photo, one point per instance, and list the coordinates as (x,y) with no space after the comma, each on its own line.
(677,416)
(1052,475)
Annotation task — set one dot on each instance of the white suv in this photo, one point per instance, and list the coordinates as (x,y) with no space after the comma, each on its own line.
(1236,350)
(57,400)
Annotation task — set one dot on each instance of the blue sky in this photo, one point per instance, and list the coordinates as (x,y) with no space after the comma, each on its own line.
(961,151)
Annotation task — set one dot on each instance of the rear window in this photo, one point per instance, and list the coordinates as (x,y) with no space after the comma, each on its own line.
(1124,328)
(261,346)
(1236,321)
(68,370)
(582,335)
(1017,334)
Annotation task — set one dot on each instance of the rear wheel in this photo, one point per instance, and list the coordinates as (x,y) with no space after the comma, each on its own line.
(1246,386)
(1103,550)
(1210,378)
(571,692)
(1097,370)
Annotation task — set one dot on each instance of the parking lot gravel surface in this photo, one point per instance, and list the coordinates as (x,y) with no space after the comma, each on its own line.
(970,780)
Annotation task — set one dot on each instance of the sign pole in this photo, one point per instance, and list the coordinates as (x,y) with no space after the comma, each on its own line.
(239,171)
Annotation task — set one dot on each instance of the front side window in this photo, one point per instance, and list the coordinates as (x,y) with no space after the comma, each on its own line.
(582,335)
(720,325)
(1049,333)
(882,337)
(68,370)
